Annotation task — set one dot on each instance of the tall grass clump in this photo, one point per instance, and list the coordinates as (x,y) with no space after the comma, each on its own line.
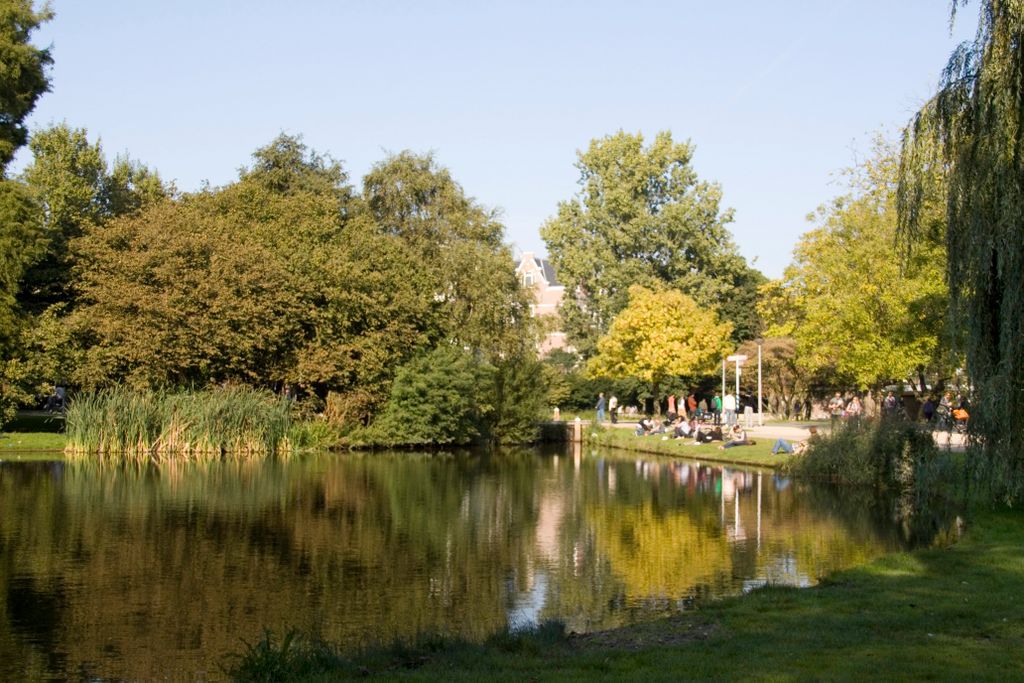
(198,425)
(298,656)
(291,657)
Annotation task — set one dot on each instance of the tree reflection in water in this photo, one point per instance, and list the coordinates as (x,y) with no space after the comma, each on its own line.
(125,571)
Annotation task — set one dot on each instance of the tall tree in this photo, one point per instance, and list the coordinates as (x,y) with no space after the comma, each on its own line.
(974,126)
(852,306)
(173,296)
(21,243)
(23,74)
(660,334)
(69,177)
(476,298)
(642,216)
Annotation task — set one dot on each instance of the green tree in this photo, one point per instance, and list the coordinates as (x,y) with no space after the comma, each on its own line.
(21,243)
(70,179)
(660,334)
(172,295)
(475,296)
(436,398)
(288,277)
(23,76)
(642,216)
(972,127)
(287,166)
(856,310)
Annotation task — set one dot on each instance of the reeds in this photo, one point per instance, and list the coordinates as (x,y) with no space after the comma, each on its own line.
(128,424)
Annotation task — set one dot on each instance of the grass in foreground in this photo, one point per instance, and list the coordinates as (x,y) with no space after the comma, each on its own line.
(937,614)
(759,454)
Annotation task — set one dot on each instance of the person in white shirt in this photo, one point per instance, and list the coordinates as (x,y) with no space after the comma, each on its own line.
(729,408)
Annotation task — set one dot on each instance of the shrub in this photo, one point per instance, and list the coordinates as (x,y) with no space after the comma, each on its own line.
(435,399)
(890,453)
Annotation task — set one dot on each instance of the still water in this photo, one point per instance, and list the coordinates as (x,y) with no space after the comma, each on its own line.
(156,573)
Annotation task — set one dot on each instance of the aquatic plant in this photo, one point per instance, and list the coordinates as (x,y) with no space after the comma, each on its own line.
(199,425)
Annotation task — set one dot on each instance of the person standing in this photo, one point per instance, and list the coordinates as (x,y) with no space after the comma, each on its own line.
(853,409)
(716,408)
(671,406)
(928,410)
(613,405)
(729,407)
(836,406)
(890,405)
(600,407)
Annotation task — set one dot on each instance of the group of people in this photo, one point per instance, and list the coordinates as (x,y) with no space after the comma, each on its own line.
(716,410)
(950,412)
(839,409)
(696,428)
(947,412)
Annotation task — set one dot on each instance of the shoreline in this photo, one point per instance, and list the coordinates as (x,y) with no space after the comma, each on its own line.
(946,612)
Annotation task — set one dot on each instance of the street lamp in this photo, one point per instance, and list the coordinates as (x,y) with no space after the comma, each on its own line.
(737,358)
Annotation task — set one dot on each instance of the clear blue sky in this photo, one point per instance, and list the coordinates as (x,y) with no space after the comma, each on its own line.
(776,96)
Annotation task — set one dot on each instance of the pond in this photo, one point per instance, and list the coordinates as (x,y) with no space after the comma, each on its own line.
(143,573)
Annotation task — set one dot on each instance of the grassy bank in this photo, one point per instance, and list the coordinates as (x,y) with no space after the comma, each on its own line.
(758,455)
(939,614)
(33,432)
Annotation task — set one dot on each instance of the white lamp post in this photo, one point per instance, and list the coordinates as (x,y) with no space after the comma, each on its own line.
(737,358)
(723,379)
(760,418)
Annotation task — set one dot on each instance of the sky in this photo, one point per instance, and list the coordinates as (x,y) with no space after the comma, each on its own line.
(777,97)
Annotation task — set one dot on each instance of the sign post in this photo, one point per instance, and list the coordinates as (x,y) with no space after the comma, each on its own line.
(737,358)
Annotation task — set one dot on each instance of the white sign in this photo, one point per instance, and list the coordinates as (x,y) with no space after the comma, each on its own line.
(736,358)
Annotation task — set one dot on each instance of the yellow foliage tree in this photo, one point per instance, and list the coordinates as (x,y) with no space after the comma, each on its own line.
(660,334)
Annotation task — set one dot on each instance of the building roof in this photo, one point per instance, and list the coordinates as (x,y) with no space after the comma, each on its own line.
(549,271)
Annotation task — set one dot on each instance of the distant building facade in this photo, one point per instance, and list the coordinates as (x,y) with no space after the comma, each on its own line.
(538,275)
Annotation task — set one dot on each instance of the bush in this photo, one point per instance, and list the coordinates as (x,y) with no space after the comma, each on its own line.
(890,453)
(450,397)
(435,399)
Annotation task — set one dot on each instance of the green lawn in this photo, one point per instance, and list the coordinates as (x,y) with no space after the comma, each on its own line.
(31,432)
(758,454)
(951,614)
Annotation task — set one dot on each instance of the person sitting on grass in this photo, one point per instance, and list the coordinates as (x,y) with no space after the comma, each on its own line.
(645,426)
(737,437)
(681,428)
(706,434)
(783,446)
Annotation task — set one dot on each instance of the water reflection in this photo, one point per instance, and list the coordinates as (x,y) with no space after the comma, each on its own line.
(143,572)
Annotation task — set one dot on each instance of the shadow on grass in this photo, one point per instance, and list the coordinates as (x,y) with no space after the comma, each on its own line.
(36,421)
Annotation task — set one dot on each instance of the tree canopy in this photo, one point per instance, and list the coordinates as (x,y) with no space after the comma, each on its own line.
(660,334)
(23,76)
(643,217)
(288,276)
(854,309)
(973,128)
